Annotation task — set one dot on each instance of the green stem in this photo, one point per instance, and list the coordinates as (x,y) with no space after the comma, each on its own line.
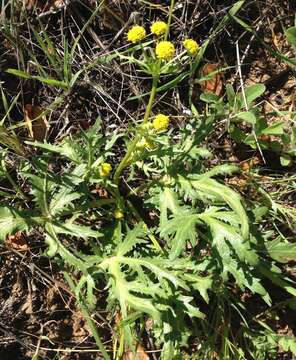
(131,148)
(94,331)
(88,319)
(12,182)
(144,186)
(66,254)
(169,19)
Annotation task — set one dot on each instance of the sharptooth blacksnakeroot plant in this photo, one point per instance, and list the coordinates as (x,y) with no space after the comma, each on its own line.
(169,242)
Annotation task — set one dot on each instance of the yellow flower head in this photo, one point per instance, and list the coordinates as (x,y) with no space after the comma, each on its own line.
(136,34)
(191,46)
(161,122)
(105,169)
(159,28)
(165,50)
(118,214)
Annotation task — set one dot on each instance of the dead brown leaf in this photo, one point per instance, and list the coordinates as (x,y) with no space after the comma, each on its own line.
(101,192)
(139,355)
(247,165)
(36,123)
(213,85)
(17,242)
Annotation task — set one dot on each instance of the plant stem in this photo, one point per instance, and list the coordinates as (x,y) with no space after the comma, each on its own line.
(169,19)
(133,144)
(94,331)
(88,319)
(12,182)
(151,99)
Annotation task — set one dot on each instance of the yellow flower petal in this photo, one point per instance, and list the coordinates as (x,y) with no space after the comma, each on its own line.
(136,34)
(105,169)
(159,28)
(161,122)
(165,50)
(191,46)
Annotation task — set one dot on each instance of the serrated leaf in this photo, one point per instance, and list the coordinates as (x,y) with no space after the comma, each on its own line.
(274,274)
(192,311)
(123,292)
(168,200)
(53,194)
(132,238)
(155,265)
(182,227)
(11,221)
(67,149)
(233,251)
(78,231)
(201,283)
(40,189)
(52,245)
(224,169)
(209,188)
(112,141)
(61,201)
(63,198)
(223,234)
(281,251)
(56,246)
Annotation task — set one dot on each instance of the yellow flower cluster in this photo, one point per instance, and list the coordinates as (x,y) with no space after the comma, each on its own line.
(161,122)
(105,169)
(136,34)
(159,28)
(165,50)
(191,46)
